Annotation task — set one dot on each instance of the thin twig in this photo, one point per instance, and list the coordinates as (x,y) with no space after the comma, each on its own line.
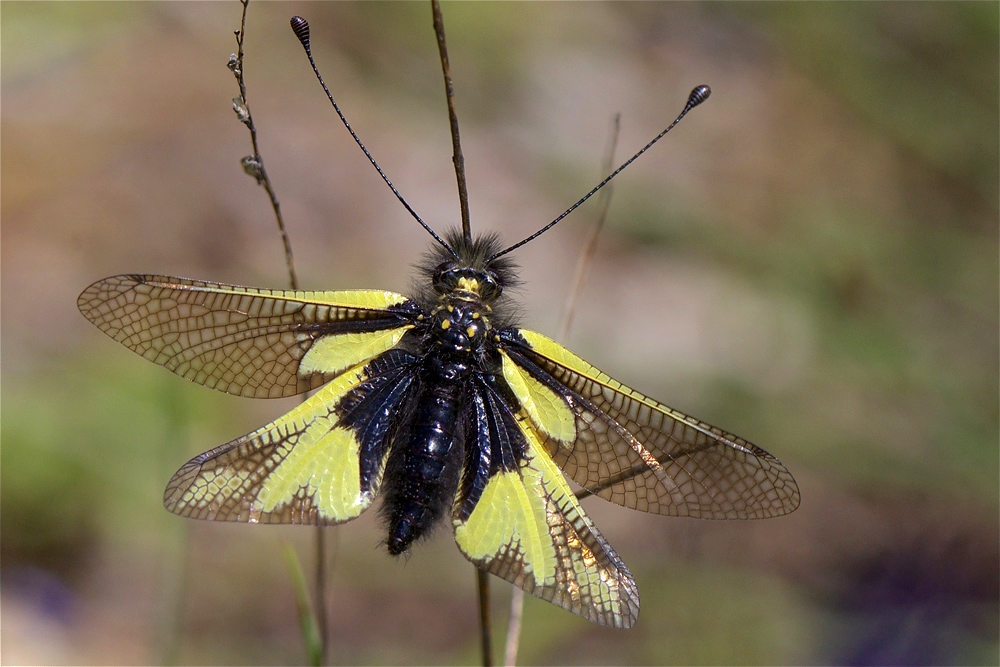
(177,578)
(590,247)
(483,584)
(254,166)
(586,256)
(482,579)
(514,628)
(449,89)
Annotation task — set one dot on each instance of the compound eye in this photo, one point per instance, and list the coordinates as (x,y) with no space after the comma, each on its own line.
(489,287)
(444,277)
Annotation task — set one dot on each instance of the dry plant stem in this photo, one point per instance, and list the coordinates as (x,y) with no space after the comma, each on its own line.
(514,627)
(590,247)
(586,256)
(255,167)
(482,579)
(449,89)
(698,95)
(483,584)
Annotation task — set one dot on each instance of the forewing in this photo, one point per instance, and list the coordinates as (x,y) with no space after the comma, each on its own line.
(251,342)
(322,463)
(517,518)
(633,451)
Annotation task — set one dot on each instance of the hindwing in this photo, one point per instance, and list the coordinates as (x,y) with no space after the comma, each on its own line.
(321,463)
(245,341)
(634,451)
(516,517)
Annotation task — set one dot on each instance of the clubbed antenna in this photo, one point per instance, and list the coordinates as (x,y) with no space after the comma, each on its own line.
(301,29)
(697,96)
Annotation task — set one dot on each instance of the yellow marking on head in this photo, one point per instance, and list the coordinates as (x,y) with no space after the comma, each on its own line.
(468,285)
(334,353)
(548,411)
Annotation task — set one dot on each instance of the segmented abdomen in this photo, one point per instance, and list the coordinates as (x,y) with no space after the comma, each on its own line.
(425,463)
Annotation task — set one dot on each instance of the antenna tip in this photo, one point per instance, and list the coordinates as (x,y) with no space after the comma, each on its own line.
(301,29)
(698,95)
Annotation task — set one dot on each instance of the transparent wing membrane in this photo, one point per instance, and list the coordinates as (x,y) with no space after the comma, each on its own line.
(240,340)
(523,524)
(644,455)
(321,463)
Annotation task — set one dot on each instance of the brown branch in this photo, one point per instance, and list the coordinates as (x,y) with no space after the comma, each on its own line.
(254,164)
(482,578)
(457,158)
(483,584)
(587,255)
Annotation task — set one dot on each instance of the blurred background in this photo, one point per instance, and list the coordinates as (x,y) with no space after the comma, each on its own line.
(810,260)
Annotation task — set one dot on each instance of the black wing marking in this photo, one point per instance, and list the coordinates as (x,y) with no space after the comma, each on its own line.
(322,463)
(516,517)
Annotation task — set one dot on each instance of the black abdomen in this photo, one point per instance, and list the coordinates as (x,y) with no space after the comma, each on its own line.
(425,462)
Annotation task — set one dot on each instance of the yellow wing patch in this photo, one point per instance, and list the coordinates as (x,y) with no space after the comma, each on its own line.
(507,515)
(548,411)
(301,468)
(323,463)
(334,353)
(529,529)
(642,454)
(363,299)
(559,354)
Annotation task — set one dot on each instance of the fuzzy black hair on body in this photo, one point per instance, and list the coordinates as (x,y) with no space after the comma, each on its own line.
(475,255)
